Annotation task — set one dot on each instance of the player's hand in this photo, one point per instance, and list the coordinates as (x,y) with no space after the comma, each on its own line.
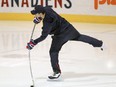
(31,44)
(37,20)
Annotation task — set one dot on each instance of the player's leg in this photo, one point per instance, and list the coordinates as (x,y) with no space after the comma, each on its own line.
(56,45)
(87,39)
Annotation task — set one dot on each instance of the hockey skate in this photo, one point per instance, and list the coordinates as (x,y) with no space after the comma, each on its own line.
(55,77)
(103,47)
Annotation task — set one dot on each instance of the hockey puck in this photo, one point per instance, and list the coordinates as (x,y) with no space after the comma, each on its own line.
(31,86)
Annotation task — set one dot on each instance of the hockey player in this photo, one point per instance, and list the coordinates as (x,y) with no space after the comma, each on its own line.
(61,30)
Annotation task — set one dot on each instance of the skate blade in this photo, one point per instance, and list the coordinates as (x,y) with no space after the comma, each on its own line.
(55,79)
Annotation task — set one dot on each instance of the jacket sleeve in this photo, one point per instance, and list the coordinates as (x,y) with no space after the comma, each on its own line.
(45,31)
(47,27)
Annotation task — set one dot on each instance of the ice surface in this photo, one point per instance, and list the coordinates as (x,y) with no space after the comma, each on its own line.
(81,64)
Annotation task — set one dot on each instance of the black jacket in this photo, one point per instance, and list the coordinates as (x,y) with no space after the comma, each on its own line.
(52,24)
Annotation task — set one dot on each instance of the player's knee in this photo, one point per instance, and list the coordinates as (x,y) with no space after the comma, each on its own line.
(53,51)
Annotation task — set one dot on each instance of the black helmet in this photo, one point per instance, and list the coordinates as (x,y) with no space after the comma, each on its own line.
(38,9)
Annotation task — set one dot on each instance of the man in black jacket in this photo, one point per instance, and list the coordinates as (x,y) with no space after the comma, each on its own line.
(61,31)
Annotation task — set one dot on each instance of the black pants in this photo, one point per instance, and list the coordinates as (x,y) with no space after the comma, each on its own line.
(59,41)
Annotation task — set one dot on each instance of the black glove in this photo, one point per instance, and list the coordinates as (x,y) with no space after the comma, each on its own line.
(37,20)
(31,44)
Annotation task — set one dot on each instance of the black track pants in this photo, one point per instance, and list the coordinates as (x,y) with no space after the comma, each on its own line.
(59,41)
(90,40)
(56,46)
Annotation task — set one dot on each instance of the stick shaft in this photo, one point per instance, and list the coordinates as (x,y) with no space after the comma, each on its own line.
(32,32)
(29,55)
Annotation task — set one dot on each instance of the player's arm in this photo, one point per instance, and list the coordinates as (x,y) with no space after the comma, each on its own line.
(45,31)
(44,34)
(47,27)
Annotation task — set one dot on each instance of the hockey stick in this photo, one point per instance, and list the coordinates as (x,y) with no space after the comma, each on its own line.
(30,65)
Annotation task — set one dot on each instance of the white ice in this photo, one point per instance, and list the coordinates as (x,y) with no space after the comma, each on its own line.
(82,65)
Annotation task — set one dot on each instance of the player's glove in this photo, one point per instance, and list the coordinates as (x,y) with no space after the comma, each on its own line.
(31,44)
(37,20)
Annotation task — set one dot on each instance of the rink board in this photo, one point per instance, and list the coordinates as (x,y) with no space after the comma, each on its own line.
(69,17)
